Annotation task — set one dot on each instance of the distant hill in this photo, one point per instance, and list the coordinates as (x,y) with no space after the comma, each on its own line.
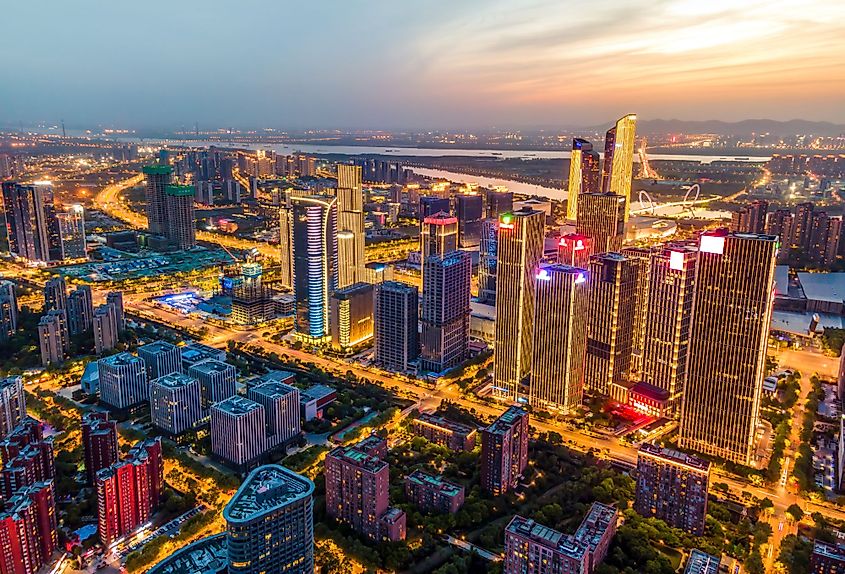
(774,127)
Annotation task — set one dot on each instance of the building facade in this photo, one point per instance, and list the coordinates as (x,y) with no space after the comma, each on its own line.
(176,403)
(351,316)
(238,431)
(445,311)
(601,217)
(504,451)
(584,175)
(123,381)
(395,327)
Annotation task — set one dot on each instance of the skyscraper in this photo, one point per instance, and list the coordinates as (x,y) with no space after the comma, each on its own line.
(104,326)
(561,314)
(99,441)
(175,403)
(487,262)
(584,175)
(281,411)
(672,486)
(395,325)
(432,205)
(158,178)
(601,216)
(72,230)
(80,310)
(751,217)
(519,250)
(27,458)
(499,202)
(439,236)
(504,451)
(350,225)
(53,337)
(732,310)
(181,227)
(238,431)
(618,167)
(160,358)
(218,381)
(27,227)
(8,310)
(641,260)
(55,294)
(351,316)
(115,298)
(12,404)
(123,381)
(270,523)
(575,250)
(314,264)
(666,332)
(285,242)
(470,210)
(610,331)
(28,529)
(445,311)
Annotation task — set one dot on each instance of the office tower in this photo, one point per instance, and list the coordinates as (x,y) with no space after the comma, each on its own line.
(27,458)
(72,231)
(238,431)
(28,529)
(104,327)
(175,403)
(641,261)
(53,337)
(433,493)
(12,404)
(732,310)
(432,205)
(667,329)
(827,557)
(672,486)
(531,548)
(128,492)
(160,358)
(181,227)
(123,381)
(575,250)
(158,178)
(285,243)
(454,436)
(561,313)
(115,298)
(395,325)
(499,202)
(445,311)
(519,250)
(281,411)
(584,174)
(99,441)
(751,217)
(610,331)
(601,216)
(350,225)
(196,353)
(618,167)
(218,381)
(487,262)
(351,316)
(504,451)
(314,264)
(270,523)
(26,221)
(470,209)
(438,236)
(55,294)
(80,310)
(702,563)
(357,490)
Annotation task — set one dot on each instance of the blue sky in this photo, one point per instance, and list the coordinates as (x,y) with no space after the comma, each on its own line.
(418,64)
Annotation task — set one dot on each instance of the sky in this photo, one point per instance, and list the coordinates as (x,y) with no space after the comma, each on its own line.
(418,64)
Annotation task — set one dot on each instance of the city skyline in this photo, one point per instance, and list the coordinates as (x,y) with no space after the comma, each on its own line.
(382,65)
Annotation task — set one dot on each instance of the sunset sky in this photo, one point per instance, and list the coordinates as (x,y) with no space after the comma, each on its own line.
(421,64)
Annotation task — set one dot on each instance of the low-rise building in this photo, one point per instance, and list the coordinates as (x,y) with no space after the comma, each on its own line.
(433,493)
(442,431)
(827,558)
(314,399)
(701,563)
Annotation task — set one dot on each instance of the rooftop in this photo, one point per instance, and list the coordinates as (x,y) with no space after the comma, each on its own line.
(157,347)
(266,489)
(212,366)
(355,289)
(506,420)
(594,526)
(651,391)
(157,169)
(196,352)
(548,537)
(273,377)
(445,423)
(828,287)
(237,406)
(438,482)
(358,458)
(174,380)
(205,556)
(121,359)
(701,563)
(273,389)
(674,456)
(833,551)
(316,392)
(180,190)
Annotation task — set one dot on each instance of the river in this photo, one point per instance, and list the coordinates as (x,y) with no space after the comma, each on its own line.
(514,186)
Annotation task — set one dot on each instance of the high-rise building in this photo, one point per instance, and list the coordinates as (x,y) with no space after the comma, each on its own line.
(53,337)
(499,202)
(28,529)
(439,236)
(181,227)
(72,231)
(487,262)
(618,168)
(285,243)
(751,217)
(584,174)
(395,325)
(175,403)
(519,250)
(669,311)
(104,326)
(281,411)
(350,225)
(12,404)
(445,311)
(610,331)
(115,298)
(601,216)
(504,451)
(158,178)
(160,358)
(270,523)
(672,486)
(357,493)
(8,310)
(470,210)
(575,250)
(351,316)
(27,458)
(561,314)
(433,493)
(238,431)
(27,209)
(432,205)
(218,381)
(123,381)
(99,441)
(128,492)
(80,310)
(55,294)
(314,264)
(641,260)
(732,310)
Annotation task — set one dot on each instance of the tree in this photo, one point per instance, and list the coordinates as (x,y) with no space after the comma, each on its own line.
(795,512)
(754,563)
(766,504)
